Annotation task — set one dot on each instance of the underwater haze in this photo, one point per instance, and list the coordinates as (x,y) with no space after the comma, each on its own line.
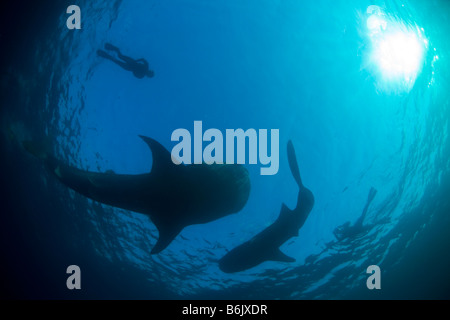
(361,89)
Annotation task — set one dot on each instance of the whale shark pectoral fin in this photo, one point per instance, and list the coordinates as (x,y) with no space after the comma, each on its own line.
(162,160)
(280,256)
(167,233)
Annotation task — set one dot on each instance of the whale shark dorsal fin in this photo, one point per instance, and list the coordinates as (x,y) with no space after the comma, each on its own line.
(280,256)
(284,212)
(293,164)
(167,232)
(284,209)
(161,156)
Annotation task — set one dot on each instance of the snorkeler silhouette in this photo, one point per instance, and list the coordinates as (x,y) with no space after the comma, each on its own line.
(139,67)
(346,231)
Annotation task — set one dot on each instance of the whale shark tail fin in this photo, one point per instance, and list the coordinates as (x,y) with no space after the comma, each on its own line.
(293,164)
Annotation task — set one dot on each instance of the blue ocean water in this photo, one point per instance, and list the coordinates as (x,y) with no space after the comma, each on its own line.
(305,68)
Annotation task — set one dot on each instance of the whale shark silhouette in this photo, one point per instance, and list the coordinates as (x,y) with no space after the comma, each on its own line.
(173,196)
(265,245)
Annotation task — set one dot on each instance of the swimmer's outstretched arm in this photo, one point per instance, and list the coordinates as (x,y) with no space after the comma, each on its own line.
(143,61)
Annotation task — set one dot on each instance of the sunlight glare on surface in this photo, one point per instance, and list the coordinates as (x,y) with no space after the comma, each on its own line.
(397,50)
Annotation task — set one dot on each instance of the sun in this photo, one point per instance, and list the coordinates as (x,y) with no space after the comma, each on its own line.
(397,50)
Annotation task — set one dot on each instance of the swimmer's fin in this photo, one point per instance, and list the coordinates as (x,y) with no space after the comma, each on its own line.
(109,46)
(103,54)
(372,193)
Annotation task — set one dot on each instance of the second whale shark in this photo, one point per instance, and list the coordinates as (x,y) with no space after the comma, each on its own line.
(173,196)
(265,245)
